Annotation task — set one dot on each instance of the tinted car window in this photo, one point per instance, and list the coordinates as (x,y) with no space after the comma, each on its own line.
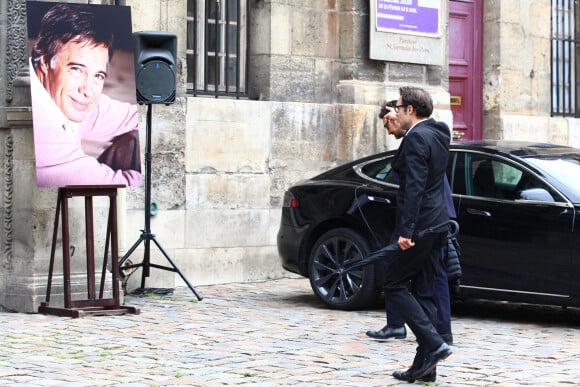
(380,170)
(478,175)
(565,169)
(496,179)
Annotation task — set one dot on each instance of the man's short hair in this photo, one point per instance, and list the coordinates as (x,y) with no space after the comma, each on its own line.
(65,22)
(419,99)
(384,110)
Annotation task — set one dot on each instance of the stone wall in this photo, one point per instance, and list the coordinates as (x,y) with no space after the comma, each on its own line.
(517,61)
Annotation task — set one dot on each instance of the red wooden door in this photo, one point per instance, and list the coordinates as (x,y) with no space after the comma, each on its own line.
(465,68)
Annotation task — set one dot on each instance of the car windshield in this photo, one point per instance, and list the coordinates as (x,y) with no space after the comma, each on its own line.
(564,169)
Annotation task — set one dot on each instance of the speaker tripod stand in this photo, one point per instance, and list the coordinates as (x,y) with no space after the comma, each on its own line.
(146,235)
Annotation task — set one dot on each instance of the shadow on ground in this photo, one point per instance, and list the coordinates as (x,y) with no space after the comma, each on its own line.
(517,312)
(479,309)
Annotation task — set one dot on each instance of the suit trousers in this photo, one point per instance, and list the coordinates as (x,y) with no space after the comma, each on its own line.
(441,297)
(417,264)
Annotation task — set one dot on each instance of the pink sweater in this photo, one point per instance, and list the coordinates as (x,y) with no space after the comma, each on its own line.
(60,159)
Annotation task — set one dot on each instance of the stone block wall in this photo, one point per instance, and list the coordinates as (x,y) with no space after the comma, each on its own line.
(517,68)
(308,47)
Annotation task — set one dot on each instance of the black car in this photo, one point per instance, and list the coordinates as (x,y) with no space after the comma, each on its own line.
(516,205)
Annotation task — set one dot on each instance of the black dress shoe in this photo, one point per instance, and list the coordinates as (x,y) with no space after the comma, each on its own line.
(388,332)
(405,376)
(430,361)
(448,338)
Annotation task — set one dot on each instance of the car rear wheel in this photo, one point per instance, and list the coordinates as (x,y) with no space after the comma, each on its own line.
(330,275)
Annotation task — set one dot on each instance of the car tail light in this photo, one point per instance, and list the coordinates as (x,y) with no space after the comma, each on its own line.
(290,200)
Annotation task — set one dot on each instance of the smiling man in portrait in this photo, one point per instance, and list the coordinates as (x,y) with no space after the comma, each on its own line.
(81,135)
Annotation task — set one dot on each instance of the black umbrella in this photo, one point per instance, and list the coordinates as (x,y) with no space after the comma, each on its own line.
(451,226)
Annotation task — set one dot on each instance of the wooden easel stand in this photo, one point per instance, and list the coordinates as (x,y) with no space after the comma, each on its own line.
(92,305)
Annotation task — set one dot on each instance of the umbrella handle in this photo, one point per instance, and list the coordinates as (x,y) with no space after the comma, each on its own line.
(453,229)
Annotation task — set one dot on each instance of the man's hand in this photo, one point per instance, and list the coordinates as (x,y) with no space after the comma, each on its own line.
(391,117)
(405,243)
(392,124)
(389,120)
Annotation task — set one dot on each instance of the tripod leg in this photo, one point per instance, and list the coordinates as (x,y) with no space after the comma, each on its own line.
(199,298)
(146,233)
(146,263)
(128,253)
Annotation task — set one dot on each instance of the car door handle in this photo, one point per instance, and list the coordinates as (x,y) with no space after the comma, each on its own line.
(378,199)
(473,211)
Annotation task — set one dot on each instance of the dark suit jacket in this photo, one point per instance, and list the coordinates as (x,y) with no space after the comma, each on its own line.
(421,163)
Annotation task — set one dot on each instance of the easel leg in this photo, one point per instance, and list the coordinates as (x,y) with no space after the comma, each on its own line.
(89,243)
(66,254)
(91,305)
(53,247)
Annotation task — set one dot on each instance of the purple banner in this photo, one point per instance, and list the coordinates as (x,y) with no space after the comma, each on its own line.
(412,16)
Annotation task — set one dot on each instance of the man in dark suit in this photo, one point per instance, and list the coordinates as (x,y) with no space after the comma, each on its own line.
(395,327)
(420,162)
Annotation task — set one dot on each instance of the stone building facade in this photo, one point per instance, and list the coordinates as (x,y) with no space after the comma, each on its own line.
(517,74)
(221,165)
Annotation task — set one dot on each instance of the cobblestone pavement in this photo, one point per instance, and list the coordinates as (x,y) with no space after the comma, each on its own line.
(276,333)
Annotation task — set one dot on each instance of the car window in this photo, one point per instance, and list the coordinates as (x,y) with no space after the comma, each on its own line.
(496,179)
(565,170)
(381,170)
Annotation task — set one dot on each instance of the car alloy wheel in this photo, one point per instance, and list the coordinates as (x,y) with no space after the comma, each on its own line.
(330,277)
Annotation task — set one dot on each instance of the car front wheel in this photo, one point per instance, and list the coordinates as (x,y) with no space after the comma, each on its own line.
(331,277)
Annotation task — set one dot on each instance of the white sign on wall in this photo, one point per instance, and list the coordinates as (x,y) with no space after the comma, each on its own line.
(407,31)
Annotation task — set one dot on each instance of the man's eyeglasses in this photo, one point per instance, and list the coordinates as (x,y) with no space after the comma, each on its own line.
(397,107)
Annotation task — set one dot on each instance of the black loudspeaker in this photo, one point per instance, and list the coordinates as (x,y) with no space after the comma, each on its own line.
(155,60)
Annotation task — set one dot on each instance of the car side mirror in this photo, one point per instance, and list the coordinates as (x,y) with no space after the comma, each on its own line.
(536,194)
